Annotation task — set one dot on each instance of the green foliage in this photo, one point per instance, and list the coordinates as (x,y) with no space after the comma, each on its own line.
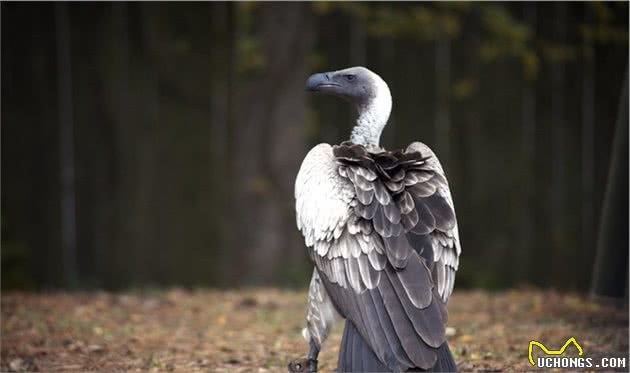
(504,35)
(465,88)
(603,30)
(421,22)
(558,53)
(250,56)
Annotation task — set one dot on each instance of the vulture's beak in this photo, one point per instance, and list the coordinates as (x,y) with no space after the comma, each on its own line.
(321,82)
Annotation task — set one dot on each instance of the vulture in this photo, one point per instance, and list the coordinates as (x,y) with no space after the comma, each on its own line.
(381,231)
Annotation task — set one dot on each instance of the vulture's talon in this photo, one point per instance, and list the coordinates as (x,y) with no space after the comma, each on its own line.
(304,364)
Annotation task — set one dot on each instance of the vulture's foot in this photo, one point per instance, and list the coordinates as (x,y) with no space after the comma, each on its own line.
(303,365)
(306,364)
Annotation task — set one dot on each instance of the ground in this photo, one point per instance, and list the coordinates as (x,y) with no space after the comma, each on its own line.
(259,330)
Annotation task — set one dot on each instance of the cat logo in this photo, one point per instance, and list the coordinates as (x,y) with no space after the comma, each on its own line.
(553,352)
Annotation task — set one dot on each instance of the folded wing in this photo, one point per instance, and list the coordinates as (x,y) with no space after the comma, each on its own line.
(385,244)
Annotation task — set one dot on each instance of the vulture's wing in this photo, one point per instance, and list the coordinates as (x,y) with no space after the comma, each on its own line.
(382,232)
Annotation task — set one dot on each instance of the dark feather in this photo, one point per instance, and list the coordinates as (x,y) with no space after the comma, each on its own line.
(405,203)
(426,221)
(394,342)
(399,175)
(421,355)
(421,244)
(427,322)
(395,187)
(392,213)
(366,173)
(422,189)
(382,194)
(367,211)
(441,211)
(364,196)
(377,261)
(386,160)
(381,225)
(397,250)
(353,274)
(416,281)
(415,177)
(369,276)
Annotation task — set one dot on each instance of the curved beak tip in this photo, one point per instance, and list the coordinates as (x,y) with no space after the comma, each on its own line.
(314,81)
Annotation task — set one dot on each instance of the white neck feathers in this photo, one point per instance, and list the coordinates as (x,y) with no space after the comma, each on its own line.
(373,115)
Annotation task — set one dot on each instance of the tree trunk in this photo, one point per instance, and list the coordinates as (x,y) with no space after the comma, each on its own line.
(610,275)
(221,113)
(443,93)
(528,151)
(588,155)
(66,146)
(558,151)
(270,137)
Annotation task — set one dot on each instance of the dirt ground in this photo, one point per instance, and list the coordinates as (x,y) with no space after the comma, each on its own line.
(259,330)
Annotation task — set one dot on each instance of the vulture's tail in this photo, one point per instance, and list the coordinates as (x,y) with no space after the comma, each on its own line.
(356,356)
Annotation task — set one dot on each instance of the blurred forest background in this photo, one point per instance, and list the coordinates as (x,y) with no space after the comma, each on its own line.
(156,144)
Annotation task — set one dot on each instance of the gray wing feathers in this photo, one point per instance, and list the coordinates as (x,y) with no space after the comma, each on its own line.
(383,236)
(320,312)
(445,239)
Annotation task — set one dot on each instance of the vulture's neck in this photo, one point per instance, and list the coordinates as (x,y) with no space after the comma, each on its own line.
(373,116)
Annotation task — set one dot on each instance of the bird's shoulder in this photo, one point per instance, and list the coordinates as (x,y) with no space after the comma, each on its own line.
(322,197)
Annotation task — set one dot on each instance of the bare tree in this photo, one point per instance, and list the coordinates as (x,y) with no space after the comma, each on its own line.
(610,276)
(66,145)
(442,96)
(558,144)
(528,151)
(588,149)
(268,147)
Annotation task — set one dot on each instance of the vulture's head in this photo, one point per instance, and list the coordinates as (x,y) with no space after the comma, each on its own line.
(357,84)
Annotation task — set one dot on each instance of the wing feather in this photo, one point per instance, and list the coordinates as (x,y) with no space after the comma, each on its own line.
(410,341)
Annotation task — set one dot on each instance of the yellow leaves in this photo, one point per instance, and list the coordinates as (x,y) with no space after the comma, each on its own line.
(602,11)
(353,8)
(246,6)
(580,304)
(558,53)
(508,38)
(322,7)
(502,26)
(603,33)
(530,62)
(466,338)
(98,330)
(387,22)
(423,22)
(450,25)
(221,320)
(249,53)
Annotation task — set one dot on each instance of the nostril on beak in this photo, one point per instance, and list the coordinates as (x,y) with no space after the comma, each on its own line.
(327,76)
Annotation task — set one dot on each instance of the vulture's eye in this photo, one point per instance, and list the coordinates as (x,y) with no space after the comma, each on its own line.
(350,77)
